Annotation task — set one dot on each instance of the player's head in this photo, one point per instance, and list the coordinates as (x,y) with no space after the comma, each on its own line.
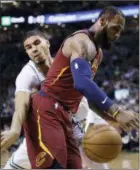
(37,46)
(112,22)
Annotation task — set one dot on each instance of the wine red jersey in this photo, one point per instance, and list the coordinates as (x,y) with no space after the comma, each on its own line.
(59,81)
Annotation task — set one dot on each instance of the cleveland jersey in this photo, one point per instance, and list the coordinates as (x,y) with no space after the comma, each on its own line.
(59,81)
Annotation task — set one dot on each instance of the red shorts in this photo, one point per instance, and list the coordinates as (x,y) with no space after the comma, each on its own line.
(49,135)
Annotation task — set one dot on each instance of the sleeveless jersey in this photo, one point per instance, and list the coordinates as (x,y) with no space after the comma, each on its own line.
(59,81)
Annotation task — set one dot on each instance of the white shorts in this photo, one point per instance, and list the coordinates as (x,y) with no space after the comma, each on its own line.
(19,159)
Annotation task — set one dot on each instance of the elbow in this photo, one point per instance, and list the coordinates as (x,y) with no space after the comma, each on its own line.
(78,86)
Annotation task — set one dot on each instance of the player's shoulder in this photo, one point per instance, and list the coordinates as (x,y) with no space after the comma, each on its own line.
(26,79)
(80,35)
(28,68)
(28,71)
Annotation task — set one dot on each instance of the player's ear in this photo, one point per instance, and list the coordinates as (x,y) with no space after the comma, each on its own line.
(103,20)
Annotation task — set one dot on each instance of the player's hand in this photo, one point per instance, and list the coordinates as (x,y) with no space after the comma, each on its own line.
(128,120)
(8,138)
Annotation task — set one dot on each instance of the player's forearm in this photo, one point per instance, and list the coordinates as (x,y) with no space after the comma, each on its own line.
(82,75)
(21,109)
(108,116)
(18,120)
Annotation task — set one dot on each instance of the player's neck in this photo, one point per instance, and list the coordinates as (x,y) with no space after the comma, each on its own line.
(96,30)
(44,67)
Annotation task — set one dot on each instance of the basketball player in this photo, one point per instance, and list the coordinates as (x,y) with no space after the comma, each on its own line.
(27,82)
(67,81)
(36,68)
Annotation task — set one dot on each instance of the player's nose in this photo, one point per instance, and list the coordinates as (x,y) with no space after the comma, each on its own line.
(34,50)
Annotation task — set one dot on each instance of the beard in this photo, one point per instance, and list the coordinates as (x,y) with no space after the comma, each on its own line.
(104,41)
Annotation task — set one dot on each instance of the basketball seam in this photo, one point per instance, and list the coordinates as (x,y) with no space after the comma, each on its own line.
(97,133)
(99,156)
(101,144)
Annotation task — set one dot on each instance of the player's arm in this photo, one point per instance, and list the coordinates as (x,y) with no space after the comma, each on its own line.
(22,98)
(80,49)
(9,137)
(22,101)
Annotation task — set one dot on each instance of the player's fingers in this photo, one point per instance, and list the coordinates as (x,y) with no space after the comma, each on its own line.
(137,119)
(2,150)
(125,127)
(135,124)
(2,138)
(3,143)
(132,125)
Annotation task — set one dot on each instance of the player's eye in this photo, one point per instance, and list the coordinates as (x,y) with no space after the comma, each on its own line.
(37,42)
(28,47)
(116,29)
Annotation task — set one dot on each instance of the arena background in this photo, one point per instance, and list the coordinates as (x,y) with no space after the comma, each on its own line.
(117,75)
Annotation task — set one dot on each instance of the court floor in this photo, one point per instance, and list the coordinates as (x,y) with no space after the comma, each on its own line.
(124,161)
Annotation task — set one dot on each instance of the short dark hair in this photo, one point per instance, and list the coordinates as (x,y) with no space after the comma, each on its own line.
(111,11)
(34,33)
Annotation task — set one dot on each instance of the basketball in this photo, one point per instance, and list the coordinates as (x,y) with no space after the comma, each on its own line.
(102,143)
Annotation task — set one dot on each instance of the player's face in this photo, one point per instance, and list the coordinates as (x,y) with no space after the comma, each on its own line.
(114,27)
(37,48)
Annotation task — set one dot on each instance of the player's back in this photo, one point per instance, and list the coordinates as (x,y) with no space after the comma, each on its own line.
(59,81)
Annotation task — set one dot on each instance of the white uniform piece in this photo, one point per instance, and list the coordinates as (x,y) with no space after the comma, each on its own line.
(28,79)
(19,159)
(85,113)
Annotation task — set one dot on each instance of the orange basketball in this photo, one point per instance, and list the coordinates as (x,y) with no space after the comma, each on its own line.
(102,143)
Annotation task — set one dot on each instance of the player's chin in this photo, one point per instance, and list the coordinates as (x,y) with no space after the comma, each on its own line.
(40,61)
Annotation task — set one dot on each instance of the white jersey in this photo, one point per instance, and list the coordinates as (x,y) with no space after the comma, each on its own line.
(29,78)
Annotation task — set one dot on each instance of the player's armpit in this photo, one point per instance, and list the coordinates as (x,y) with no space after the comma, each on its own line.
(22,102)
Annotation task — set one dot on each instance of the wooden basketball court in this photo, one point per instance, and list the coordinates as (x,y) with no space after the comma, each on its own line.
(124,161)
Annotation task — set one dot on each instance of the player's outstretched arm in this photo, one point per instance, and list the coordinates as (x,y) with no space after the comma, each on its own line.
(22,102)
(9,137)
(79,51)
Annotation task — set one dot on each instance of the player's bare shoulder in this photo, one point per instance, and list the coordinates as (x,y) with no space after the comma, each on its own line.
(81,45)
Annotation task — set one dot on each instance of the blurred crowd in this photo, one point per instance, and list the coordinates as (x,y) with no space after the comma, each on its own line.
(60,6)
(118,74)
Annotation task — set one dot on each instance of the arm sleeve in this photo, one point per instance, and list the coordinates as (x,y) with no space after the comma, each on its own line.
(82,76)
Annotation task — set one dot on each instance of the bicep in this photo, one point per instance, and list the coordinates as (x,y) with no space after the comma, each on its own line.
(83,47)
(22,101)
